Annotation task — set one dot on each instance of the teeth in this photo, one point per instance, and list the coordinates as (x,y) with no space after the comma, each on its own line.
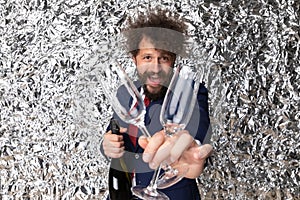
(154,78)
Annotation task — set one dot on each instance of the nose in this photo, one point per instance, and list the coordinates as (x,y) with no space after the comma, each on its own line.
(156,67)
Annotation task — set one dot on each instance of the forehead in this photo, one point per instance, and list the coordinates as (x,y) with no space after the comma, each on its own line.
(147,46)
(146,43)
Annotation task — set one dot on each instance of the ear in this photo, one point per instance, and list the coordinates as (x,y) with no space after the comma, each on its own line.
(173,62)
(134,60)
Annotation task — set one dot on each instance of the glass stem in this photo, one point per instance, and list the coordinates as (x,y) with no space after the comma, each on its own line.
(144,131)
(152,186)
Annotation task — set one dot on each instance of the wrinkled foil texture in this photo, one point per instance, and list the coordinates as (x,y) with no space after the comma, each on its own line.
(52,118)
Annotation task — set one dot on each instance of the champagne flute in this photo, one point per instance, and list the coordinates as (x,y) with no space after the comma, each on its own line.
(176,112)
(120,90)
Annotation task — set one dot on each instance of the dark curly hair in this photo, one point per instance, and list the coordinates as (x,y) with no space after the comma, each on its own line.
(166,31)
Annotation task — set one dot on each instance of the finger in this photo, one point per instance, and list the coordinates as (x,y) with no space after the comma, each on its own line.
(183,142)
(108,150)
(203,151)
(113,145)
(123,130)
(114,152)
(113,141)
(143,141)
(154,143)
(113,137)
(116,155)
(113,149)
(163,152)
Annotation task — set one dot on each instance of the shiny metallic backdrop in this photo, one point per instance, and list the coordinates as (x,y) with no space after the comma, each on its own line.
(52,118)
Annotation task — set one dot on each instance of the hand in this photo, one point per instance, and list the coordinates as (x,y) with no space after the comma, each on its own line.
(160,148)
(195,156)
(179,149)
(113,144)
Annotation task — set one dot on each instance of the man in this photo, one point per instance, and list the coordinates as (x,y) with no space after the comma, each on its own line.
(154,40)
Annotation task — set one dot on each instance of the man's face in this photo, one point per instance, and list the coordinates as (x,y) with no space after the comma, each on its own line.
(154,66)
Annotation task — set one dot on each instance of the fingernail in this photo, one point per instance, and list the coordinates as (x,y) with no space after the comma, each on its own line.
(153,165)
(123,129)
(199,155)
(143,137)
(146,157)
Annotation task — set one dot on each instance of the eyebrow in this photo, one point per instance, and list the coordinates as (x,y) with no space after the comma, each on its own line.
(163,53)
(146,54)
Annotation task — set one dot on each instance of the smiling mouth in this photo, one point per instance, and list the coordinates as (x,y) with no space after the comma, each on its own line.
(154,80)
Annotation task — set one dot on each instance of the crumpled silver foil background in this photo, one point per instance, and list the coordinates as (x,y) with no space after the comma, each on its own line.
(51,121)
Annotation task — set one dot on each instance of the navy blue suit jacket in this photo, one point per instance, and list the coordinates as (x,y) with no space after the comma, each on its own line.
(198,126)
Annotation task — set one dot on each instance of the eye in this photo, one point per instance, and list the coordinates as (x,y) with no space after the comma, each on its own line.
(148,58)
(165,59)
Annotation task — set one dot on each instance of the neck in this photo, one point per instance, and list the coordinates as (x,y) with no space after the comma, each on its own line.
(157,96)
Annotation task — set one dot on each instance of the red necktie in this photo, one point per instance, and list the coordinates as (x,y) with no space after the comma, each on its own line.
(132,129)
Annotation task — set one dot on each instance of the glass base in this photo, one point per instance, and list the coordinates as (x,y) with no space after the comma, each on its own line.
(148,193)
(172,176)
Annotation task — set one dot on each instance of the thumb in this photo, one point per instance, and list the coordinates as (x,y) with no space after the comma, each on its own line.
(203,151)
(143,141)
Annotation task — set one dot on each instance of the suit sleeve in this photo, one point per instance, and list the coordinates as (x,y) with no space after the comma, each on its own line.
(204,131)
